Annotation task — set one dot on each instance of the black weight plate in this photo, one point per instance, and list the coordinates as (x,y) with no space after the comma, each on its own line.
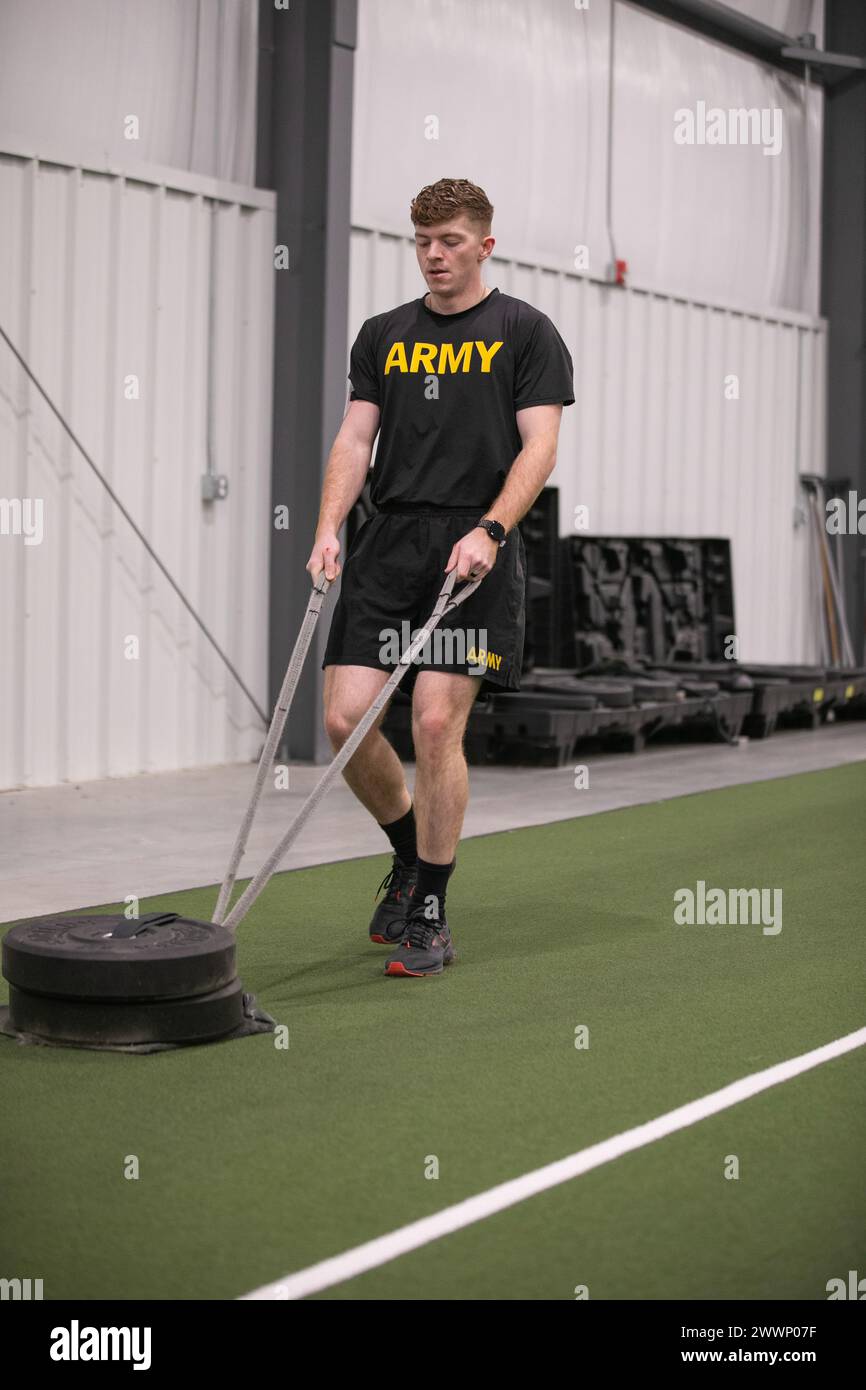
(76,958)
(640,687)
(698,687)
(134,1021)
(643,686)
(544,697)
(787,673)
(655,690)
(607,692)
(725,673)
(552,676)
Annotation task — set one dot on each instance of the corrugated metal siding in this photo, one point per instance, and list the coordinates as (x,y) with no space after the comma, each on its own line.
(514,95)
(651,445)
(186,69)
(103,277)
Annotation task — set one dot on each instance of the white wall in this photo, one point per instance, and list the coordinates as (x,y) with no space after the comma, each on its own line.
(103,278)
(76,70)
(147,258)
(723,258)
(519,95)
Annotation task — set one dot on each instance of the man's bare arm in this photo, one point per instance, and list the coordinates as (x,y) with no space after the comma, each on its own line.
(539,431)
(475,553)
(348,464)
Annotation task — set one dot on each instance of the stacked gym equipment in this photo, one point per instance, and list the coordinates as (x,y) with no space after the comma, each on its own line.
(628,639)
(146,985)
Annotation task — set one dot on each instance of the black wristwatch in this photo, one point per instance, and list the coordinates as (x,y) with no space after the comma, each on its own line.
(494,529)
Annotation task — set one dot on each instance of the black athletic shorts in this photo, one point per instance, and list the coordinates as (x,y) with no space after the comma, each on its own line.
(390,581)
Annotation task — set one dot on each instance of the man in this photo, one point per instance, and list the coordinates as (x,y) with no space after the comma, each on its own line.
(465,388)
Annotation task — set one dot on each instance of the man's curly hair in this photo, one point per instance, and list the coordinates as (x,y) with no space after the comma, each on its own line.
(446,198)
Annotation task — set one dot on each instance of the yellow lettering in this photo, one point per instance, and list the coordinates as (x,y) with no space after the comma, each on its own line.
(448,362)
(424,357)
(487,354)
(396,358)
(423,353)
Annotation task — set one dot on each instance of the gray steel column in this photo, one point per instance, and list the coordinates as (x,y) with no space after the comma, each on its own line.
(304,129)
(843,287)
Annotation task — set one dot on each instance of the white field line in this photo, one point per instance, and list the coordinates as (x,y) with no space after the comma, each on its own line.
(507,1194)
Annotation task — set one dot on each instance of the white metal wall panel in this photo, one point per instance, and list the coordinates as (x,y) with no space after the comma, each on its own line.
(721,222)
(515,97)
(651,445)
(103,279)
(185,69)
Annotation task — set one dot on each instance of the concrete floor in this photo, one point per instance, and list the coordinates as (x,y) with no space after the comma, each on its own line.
(80,846)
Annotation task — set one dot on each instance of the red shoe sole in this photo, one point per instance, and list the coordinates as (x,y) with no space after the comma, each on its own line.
(395,967)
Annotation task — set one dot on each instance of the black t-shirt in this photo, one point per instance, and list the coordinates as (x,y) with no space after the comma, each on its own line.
(448,386)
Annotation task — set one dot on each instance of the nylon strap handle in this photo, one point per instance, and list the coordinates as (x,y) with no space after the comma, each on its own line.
(278,723)
(153,919)
(446,603)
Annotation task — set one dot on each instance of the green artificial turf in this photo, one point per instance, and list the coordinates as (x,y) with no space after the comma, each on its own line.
(256,1161)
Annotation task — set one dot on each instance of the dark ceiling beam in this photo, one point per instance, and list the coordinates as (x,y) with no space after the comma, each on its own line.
(789,52)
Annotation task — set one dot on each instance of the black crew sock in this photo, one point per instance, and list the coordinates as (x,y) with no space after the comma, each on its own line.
(432,882)
(403,836)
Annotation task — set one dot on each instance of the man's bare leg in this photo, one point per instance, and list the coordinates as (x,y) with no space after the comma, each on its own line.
(374,772)
(440,709)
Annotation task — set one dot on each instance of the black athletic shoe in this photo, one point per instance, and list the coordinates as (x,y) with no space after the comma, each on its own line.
(426,947)
(389,919)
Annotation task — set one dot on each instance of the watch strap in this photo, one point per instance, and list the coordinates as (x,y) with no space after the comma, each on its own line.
(495,530)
